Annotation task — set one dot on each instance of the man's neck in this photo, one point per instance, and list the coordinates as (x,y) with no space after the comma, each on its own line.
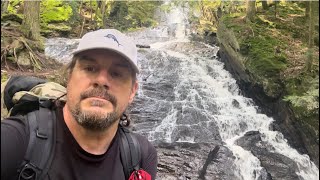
(91,141)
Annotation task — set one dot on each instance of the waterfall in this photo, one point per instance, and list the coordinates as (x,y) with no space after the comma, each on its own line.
(214,96)
(186,95)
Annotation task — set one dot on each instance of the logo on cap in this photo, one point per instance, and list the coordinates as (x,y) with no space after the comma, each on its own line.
(111,36)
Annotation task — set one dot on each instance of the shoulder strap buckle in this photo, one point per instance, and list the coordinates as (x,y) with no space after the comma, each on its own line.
(40,135)
(28,172)
(45,103)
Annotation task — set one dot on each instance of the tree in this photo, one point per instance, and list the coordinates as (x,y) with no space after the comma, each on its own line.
(31,20)
(312,5)
(4,6)
(275,8)
(251,10)
(264,5)
(103,13)
(307,4)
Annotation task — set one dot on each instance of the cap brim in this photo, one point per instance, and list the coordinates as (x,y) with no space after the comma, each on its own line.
(135,68)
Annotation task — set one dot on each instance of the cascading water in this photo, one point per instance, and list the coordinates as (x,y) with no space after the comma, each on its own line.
(186,95)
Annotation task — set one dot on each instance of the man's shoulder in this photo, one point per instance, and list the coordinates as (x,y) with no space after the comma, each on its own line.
(141,138)
(145,144)
(17,120)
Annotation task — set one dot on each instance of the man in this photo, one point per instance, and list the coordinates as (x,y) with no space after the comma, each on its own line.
(101,84)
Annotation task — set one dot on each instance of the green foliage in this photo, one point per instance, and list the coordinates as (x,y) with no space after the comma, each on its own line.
(309,101)
(262,20)
(263,59)
(167,7)
(303,95)
(55,11)
(203,13)
(4,76)
(141,13)
(289,8)
(132,14)
(13,6)
(75,17)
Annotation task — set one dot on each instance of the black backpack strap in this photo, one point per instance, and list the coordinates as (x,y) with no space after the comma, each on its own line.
(129,151)
(42,141)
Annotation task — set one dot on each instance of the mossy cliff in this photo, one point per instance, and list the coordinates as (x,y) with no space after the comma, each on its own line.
(267,60)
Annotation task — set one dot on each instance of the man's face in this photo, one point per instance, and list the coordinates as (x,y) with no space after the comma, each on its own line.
(99,89)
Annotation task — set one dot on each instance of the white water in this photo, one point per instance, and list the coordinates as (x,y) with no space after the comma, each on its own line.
(232,122)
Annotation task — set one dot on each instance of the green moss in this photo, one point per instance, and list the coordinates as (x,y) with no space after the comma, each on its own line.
(13,5)
(55,11)
(263,20)
(228,20)
(263,59)
(303,84)
(4,76)
(290,8)
(12,17)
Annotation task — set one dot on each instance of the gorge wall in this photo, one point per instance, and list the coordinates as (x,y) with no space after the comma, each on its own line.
(298,134)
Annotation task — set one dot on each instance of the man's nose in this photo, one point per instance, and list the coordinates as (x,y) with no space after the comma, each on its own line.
(103,78)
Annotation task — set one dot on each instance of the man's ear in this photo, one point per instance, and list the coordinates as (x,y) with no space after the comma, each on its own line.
(133,91)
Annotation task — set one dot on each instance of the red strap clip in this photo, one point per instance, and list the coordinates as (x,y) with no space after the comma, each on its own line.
(140,175)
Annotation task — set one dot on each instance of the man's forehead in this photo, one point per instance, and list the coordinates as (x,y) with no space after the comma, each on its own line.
(95,55)
(118,62)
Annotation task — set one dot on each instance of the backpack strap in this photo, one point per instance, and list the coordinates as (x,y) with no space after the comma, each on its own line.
(130,152)
(16,84)
(42,142)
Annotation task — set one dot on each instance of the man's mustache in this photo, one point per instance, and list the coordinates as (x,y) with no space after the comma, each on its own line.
(101,93)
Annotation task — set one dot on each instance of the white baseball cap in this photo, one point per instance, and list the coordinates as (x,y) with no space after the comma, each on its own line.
(110,39)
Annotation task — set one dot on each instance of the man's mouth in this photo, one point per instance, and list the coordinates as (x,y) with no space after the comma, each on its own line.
(99,95)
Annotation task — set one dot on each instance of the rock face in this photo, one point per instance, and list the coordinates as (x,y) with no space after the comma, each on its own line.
(194,161)
(271,104)
(276,165)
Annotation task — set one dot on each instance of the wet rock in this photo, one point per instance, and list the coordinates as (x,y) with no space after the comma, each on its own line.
(24,59)
(142,46)
(235,103)
(194,161)
(277,165)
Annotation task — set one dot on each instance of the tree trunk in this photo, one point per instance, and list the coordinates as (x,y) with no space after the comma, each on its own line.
(103,12)
(83,21)
(264,5)
(275,9)
(91,14)
(251,10)
(96,16)
(4,6)
(307,4)
(31,20)
(309,62)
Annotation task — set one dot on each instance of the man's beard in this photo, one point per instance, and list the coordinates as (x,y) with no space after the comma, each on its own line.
(92,120)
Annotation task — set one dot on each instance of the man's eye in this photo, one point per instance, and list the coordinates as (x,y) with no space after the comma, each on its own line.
(90,68)
(116,74)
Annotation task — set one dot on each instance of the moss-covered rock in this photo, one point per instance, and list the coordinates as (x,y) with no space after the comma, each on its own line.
(53,11)
(12,17)
(56,29)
